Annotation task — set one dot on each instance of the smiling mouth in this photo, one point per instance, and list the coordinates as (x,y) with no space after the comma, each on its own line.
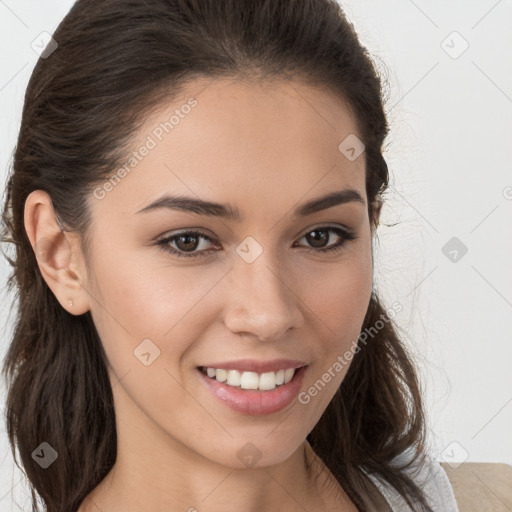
(265,381)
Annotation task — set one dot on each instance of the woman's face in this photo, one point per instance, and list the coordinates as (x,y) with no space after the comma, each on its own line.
(254,287)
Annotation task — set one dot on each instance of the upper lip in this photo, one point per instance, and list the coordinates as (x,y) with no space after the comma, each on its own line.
(254,365)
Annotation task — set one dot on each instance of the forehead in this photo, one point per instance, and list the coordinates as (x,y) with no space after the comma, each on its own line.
(232,138)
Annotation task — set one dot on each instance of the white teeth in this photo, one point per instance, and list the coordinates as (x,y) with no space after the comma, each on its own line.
(268,381)
(252,380)
(288,374)
(249,380)
(221,375)
(233,378)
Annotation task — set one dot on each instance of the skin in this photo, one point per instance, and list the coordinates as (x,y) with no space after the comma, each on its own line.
(264,148)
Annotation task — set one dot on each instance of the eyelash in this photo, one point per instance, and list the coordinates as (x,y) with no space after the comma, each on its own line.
(346,234)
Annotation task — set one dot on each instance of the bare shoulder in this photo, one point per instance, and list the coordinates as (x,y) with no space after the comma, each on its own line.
(481,486)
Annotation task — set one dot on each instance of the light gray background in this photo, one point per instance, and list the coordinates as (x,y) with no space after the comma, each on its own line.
(451,176)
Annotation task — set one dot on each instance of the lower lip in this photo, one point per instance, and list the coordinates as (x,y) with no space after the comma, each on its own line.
(253,401)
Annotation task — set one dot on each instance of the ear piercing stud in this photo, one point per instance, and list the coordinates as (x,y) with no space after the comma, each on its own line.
(70,302)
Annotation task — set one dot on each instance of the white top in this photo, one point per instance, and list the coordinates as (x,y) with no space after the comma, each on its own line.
(430,477)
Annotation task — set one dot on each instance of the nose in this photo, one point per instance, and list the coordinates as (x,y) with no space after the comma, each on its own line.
(261,300)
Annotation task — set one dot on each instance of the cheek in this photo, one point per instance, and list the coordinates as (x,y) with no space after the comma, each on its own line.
(148,321)
(338,303)
(342,298)
(136,303)
(340,294)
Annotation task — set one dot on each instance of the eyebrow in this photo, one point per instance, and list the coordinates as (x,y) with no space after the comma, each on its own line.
(226,211)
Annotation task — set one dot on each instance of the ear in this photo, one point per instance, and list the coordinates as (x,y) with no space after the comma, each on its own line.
(57,253)
(377,208)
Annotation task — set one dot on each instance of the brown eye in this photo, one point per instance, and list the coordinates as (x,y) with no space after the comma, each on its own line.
(318,237)
(186,244)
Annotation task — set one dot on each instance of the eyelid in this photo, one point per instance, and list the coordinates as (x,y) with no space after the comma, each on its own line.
(183,231)
(345,232)
(211,236)
(327,225)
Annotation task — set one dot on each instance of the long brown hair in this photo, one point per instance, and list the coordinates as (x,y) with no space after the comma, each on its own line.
(115,61)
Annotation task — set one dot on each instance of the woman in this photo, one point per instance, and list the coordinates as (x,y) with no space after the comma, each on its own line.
(195,191)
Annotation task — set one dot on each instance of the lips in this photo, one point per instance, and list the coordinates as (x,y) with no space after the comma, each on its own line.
(254,365)
(255,402)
